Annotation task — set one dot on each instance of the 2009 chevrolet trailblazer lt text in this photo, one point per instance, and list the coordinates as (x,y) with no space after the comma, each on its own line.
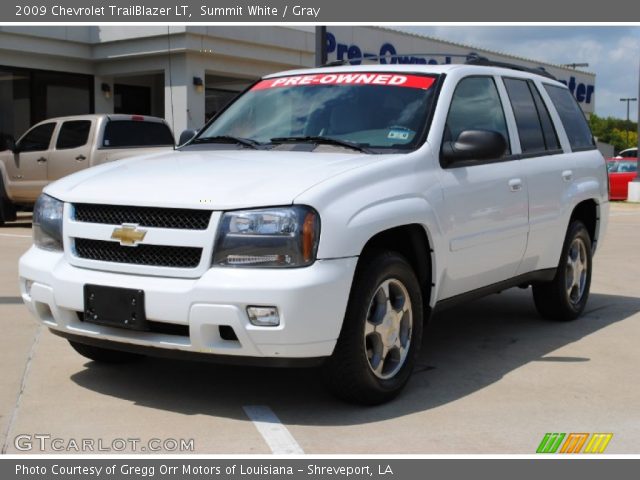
(321,217)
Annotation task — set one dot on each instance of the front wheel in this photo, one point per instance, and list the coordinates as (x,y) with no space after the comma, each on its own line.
(565,297)
(7,209)
(381,333)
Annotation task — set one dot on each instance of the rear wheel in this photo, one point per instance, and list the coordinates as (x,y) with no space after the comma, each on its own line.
(104,355)
(565,297)
(381,333)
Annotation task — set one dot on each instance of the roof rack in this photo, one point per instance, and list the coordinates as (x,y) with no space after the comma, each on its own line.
(485,62)
(467,56)
(470,59)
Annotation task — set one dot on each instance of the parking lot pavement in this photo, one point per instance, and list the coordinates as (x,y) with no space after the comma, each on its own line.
(492,378)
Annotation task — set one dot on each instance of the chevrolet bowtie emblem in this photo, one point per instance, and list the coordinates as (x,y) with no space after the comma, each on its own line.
(128,234)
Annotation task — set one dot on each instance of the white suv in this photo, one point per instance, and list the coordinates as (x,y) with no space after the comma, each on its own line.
(321,218)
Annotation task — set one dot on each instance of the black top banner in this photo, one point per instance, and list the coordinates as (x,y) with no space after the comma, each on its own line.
(317,11)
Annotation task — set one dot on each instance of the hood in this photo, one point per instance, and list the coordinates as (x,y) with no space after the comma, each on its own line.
(217,180)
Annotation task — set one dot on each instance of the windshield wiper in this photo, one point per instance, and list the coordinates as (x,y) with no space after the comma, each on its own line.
(321,140)
(247,142)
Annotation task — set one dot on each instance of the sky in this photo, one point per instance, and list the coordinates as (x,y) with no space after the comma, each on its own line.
(613,53)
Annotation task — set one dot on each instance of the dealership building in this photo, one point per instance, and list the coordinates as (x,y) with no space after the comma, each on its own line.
(187,73)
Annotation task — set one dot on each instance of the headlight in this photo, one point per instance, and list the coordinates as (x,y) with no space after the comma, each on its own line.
(47,223)
(270,237)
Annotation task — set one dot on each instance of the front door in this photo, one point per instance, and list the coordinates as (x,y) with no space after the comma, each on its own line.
(485,202)
(27,171)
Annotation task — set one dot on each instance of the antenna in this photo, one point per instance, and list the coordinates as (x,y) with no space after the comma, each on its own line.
(173,118)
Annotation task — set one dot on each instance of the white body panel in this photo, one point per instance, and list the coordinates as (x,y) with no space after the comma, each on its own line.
(485,224)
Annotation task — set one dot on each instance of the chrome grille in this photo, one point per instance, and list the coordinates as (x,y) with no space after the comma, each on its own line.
(143,254)
(180,218)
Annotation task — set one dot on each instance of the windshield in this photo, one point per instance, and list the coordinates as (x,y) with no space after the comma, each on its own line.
(367,110)
(623,166)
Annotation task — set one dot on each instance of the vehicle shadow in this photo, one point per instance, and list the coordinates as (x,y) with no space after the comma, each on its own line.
(465,349)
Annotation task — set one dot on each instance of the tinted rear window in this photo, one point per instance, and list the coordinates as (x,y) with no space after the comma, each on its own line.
(573,120)
(550,136)
(526,113)
(132,133)
(73,134)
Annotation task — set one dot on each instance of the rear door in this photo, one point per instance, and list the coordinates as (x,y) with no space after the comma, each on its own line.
(72,148)
(485,202)
(552,129)
(27,171)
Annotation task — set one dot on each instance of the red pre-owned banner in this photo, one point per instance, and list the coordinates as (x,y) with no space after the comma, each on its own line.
(388,79)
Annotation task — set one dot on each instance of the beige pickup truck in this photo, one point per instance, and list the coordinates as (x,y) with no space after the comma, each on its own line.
(58,147)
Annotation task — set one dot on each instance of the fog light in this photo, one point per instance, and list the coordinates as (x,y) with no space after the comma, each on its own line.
(264,316)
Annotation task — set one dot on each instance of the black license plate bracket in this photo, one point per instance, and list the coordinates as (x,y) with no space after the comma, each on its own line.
(115,307)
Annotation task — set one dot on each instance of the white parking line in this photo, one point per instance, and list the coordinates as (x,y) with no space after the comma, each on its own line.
(14,235)
(23,386)
(279,439)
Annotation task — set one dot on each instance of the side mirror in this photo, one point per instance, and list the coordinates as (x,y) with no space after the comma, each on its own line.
(187,135)
(474,145)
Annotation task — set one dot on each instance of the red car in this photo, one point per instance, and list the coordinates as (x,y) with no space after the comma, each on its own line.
(621,172)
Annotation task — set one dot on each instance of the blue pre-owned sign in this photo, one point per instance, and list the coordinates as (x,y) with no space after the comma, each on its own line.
(580,84)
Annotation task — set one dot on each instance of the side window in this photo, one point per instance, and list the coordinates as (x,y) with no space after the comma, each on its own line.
(526,113)
(476,106)
(573,120)
(535,128)
(73,134)
(37,139)
(550,135)
(627,167)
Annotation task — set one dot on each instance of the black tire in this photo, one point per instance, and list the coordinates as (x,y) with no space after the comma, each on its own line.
(553,299)
(104,355)
(7,209)
(349,372)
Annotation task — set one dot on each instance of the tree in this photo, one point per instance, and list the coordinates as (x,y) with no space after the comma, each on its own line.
(614,131)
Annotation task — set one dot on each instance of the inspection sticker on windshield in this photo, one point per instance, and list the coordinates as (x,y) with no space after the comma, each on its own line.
(385,79)
(399,133)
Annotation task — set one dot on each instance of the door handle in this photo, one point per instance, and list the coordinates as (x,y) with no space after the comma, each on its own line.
(515,184)
(81,157)
(41,160)
(567,175)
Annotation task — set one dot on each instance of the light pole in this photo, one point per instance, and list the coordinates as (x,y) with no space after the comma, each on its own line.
(628,100)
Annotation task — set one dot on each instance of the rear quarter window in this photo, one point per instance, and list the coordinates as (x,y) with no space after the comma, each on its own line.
(134,133)
(573,120)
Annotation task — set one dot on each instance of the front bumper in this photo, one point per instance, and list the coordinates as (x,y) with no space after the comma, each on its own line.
(311,301)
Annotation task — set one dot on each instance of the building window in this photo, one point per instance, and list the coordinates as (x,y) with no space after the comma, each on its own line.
(30,96)
(15,103)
